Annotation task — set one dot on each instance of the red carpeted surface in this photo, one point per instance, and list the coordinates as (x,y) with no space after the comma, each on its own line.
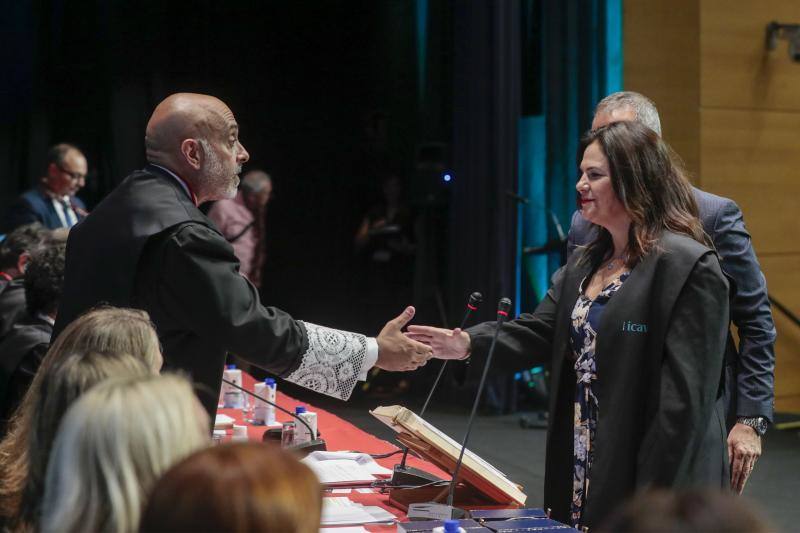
(340,436)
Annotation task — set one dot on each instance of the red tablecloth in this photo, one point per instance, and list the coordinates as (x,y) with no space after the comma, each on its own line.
(340,435)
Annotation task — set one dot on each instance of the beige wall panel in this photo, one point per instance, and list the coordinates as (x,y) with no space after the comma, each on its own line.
(781,273)
(736,69)
(753,157)
(661,43)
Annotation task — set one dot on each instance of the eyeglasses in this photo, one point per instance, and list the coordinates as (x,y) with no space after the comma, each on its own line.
(77,176)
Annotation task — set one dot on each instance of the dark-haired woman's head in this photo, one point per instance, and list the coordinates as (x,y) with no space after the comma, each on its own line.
(630,178)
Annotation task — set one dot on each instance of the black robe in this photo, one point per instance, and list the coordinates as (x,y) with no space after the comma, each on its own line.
(659,392)
(146,245)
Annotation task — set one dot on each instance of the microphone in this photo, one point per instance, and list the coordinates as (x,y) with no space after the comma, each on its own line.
(403,475)
(304,448)
(436,511)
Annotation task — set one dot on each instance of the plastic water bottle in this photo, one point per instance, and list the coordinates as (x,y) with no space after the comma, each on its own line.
(302,435)
(233,398)
(264,413)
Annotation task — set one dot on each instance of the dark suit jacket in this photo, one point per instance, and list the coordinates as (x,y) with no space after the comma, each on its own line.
(21,353)
(12,304)
(661,422)
(146,245)
(35,206)
(750,368)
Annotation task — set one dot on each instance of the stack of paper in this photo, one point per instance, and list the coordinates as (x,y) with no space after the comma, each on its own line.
(341,511)
(338,469)
(340,472)
(362,459)
(222,421)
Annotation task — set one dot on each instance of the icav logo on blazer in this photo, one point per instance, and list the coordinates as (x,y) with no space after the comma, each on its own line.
(632,327)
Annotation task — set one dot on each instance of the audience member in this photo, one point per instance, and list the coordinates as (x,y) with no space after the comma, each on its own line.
(52,202)
(689,511)
(15,251)
(23,349)
(114,443)
(237,488)
(98,345)
(242,219)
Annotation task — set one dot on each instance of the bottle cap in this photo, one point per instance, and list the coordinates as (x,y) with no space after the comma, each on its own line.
(269,381)
(451,526)
(230,367)
(300,409)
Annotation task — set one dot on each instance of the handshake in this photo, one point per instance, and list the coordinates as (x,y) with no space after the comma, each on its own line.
(398,351)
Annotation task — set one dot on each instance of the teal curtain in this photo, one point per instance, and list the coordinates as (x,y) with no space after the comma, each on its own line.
(571,58)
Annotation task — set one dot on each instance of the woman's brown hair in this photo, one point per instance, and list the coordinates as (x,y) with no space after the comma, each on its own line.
(102,343)
(236,487)
(651,184)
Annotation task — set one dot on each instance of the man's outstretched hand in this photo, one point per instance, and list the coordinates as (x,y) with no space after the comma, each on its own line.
(446,343)
(397,352)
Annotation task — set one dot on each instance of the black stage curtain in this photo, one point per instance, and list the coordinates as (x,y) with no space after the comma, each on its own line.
(486,112)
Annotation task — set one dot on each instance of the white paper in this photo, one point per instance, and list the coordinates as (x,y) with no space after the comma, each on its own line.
(350,529)
(339,471)
(363,459)
(222,421)
(342,511)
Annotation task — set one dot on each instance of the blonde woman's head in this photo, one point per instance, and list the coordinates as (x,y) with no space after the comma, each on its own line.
(104,342)
(113,444)
(110,329)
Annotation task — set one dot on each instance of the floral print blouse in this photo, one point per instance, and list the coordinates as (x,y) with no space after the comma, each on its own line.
(583,332)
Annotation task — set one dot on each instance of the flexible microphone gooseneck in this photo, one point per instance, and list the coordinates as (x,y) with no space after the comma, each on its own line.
(305,447)
(475,299)
(503,308)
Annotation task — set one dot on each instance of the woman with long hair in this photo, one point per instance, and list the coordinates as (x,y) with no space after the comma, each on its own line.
(102,343)
(635,328)
(113,444)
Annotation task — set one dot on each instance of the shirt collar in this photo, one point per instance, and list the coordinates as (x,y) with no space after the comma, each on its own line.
(46,318)
(180,180)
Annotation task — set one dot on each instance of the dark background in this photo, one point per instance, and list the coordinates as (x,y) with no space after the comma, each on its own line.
(329,97)
(326,95)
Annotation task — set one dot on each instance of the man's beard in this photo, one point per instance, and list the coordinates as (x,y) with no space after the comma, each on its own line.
(219,182)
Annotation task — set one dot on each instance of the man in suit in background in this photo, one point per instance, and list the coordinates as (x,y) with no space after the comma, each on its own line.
(53,203)
(749,371)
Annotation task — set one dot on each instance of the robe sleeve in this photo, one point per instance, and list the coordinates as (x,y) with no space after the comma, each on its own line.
(689,378)
(203,292)
(528,339)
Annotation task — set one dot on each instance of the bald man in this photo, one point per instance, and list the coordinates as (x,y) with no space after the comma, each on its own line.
(241,221)
(147,245)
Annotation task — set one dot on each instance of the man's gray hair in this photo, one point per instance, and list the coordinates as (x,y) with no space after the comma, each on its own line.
(254,181)
(644,108)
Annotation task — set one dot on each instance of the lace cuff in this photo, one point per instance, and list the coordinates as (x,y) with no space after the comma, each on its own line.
(332,363)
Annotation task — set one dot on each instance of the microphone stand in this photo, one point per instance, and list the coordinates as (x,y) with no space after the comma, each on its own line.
(438,511)
(304,448)
(404,476)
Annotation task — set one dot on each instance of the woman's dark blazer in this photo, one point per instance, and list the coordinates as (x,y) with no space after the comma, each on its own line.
(659,354)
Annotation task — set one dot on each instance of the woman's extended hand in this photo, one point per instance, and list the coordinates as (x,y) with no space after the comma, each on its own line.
(446,343)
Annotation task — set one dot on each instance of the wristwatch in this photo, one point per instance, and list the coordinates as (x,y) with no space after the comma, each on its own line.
(758,423)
